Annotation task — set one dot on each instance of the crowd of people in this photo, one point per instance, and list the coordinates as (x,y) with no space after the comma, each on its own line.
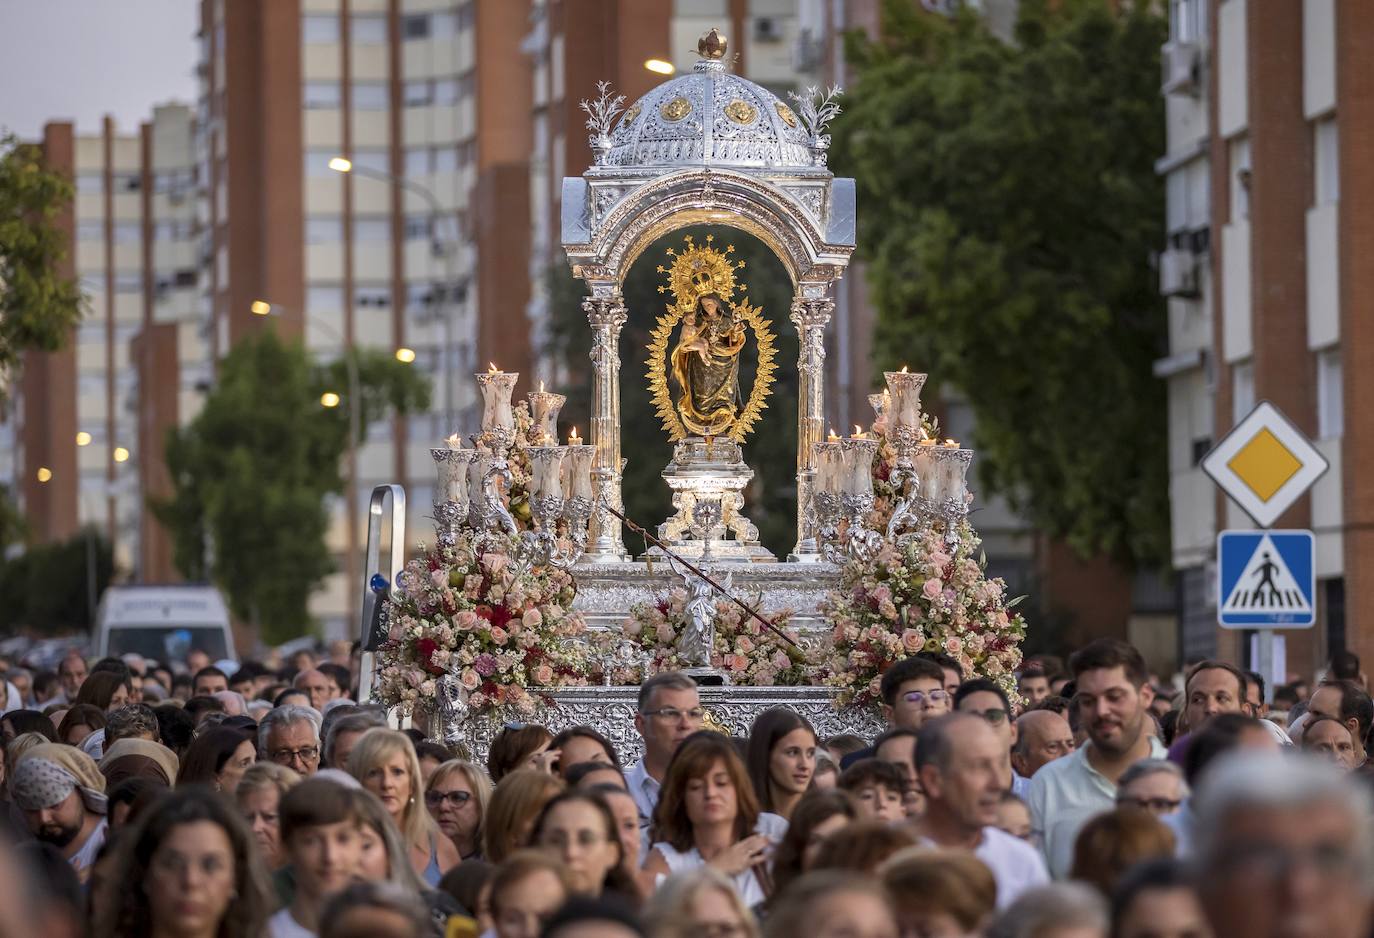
(194,799)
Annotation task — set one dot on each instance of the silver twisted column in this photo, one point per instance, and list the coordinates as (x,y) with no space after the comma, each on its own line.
(810,315)
(606,312)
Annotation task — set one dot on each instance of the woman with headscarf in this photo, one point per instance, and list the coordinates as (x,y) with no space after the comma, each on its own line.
(62,793)
(129,758)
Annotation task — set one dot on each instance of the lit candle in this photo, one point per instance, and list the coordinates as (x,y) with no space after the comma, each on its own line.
(573,438)
(454,441)
(497,387)
(859,433)
(452,468)
(857,466)
(544,408)
(827,457)
(577,468)
(903,410)
(833,438)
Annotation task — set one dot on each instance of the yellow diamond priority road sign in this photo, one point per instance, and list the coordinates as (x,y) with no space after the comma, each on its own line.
(1265,464)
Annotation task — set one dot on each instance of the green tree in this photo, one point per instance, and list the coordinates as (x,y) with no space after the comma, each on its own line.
(252,472)
(47,588)
(1009,209)
(771,450)
(38,308)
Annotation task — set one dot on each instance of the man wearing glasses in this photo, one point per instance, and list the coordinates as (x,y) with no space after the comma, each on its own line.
(982,698)
(290,737)
(669,711)
(913,691)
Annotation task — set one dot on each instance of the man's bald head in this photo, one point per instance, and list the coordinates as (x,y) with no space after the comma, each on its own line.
(1042,737)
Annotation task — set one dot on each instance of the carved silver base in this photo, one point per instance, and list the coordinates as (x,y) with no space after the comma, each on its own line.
(708,481)
(611,710)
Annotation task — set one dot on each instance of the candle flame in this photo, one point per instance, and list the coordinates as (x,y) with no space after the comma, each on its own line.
(453,439)
(952,444)
(904,369)
(541,387)
(491,368)
(858,430)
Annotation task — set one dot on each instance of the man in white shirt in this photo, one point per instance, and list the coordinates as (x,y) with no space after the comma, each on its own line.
(669,711)
(983,698)
(1113,699)
(960,760)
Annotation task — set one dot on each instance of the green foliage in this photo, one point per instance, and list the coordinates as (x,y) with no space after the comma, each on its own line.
(1009,206)
(252,471)
(46,588)
(771,450)
(38,309)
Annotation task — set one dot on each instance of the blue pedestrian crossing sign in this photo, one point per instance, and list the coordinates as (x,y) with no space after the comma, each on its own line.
(1266,579)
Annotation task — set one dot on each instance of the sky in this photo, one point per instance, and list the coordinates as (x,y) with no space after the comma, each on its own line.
(82,59)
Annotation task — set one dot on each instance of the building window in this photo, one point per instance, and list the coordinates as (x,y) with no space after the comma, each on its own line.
(90,230)
(323,229)
(417,93)
(376,159)
(467,16)
(1326,161)
(127,232)
(1240,178)
(372,229)
(445,159)
(368,29)
(1330,403)
(319,95)
(324,299)
(417,161)
(446,91)
(1242,390)
(417,228)
(320,28)
(374,297)
(370,96)
(126,182)
(317,162)
(128,282)
(415,26)
(92,183)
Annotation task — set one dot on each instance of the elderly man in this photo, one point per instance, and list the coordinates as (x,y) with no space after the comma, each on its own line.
(1041,737)
(62,795)
(136,721)
(234,704)
(319,688)
(72,672)
(1347,702)
(669,711)
(290,736)
(1283,849)
(984,699)
(959,759)
(1113,696)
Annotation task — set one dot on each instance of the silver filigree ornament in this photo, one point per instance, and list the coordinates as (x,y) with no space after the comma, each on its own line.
(600,116)
(816,111)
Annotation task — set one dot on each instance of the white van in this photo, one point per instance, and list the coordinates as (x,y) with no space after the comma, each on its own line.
(163,622)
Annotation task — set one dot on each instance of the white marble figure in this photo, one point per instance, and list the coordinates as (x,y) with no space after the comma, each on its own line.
(698,640)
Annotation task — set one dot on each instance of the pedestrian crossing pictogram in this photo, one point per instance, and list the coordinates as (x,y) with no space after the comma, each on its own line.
(1265,579)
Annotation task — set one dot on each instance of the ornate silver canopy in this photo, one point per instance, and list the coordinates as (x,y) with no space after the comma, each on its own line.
(708,147)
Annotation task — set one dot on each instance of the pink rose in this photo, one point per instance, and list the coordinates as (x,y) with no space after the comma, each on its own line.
(953,646)
(932,588)
(495,563)
(543,674)
(532,618)
(499,635)
(470,679)
(745,645)
(664,633)
(739,663)
(938,560)
(912,641)
(780,660)
(466,620)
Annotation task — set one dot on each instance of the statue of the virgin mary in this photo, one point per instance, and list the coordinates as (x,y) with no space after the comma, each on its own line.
(706,367)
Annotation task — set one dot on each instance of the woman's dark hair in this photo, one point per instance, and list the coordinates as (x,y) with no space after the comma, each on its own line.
(1144,877)
(618,881)
(175,726)
(428,749)
(130,790)
(100,687)
(769,727)
(581,910)
(693,759)
(815,808)
(208,753)
(512,746)
(82,714)
(585,732)
(125,896)
(30,721)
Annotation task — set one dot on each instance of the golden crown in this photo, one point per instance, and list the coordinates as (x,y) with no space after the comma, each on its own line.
(699,269)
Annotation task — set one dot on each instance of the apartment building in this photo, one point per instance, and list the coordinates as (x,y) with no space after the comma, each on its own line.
(88,421)
(1269,191)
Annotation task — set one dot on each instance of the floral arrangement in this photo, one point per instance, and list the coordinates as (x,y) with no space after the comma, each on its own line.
(503,629)
(746,651)
(927,595)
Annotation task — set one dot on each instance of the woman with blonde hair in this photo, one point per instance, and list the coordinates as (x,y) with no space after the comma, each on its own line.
(384,761)
(457,796)
(259,795)
(700,901)
(516,803)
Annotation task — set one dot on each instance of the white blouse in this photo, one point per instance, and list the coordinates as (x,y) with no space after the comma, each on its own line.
(772,826)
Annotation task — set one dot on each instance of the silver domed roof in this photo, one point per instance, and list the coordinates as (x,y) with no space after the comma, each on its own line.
(710,117)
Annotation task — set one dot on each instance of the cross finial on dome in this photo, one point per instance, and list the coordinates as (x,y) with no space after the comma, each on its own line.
(712,45)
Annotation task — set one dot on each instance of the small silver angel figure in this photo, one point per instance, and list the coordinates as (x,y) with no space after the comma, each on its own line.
(451,707)
(698,640)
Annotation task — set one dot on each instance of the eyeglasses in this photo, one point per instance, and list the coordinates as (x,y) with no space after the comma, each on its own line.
(1275,861)
(304,754)
(919,697)
(994,715)
(455,798)
(673,714)
(1157,805)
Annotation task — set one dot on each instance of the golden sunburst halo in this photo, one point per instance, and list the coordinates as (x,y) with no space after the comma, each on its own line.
(696,270)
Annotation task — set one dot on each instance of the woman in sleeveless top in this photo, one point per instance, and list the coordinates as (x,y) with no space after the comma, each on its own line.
(384,761)
(707,813)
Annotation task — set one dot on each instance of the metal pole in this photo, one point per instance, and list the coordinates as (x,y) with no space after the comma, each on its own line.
(1265,664)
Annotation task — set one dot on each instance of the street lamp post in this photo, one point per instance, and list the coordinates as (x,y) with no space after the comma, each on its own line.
(447,254)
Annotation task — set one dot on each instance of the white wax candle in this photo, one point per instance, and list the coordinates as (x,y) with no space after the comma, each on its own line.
(544,408)
(545,465)
(497,388)
(477,469)
(904,408)
(927,471)
(579,463)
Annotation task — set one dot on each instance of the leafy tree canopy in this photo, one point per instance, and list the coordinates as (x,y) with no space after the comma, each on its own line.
(38,308)
(252,471)
(47,588)
(1008,209)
